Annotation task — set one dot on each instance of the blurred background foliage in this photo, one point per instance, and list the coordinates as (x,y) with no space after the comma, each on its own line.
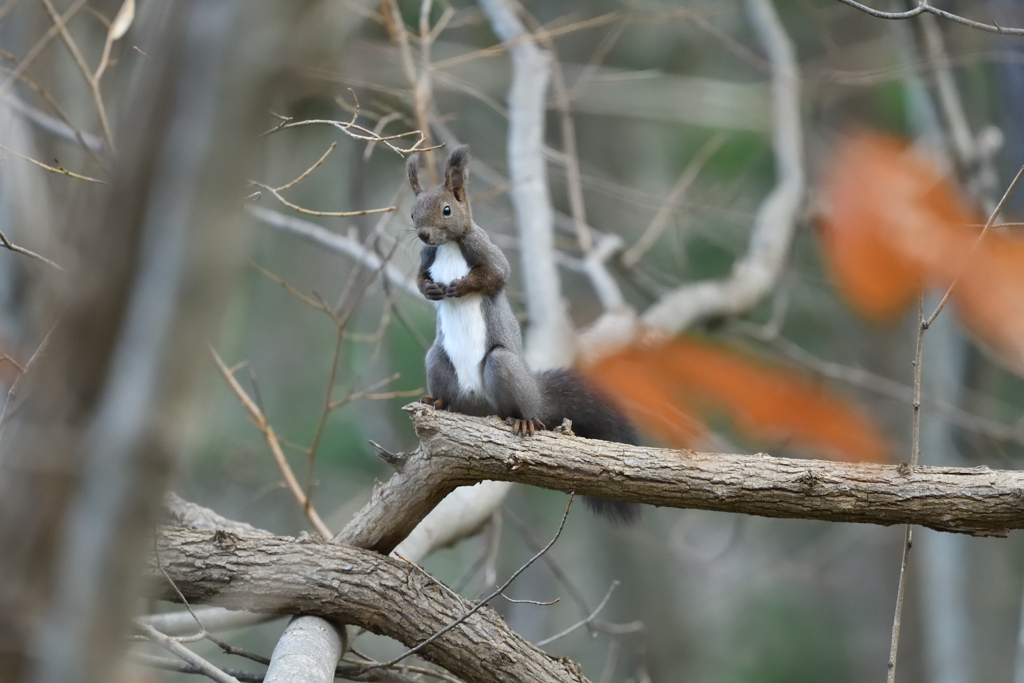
(701,596)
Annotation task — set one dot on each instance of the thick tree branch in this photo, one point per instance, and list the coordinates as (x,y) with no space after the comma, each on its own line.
(349,585)
(977,501)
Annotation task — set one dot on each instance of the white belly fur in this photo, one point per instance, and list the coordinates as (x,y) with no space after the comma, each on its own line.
(460,321)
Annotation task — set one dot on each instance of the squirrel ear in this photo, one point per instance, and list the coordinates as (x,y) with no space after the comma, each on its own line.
(456,174)
(414,178)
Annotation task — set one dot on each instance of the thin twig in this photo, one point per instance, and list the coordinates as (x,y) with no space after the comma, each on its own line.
(660,221)
(312,303)
(583,622)
(914,456)
(494,50)
(4,358)
(483,602)
(420,83)
(340,321)
(524,601)
(894,643)
(167,664)
(38,48)
(275,447)
(173,646)
(369,394)
(311,212)
(61,126)
(988,226)
(355,131)
(202,629)
(755,274)
(923,7)
(6,9)
(9,408)
(58,169)
(94,85)
(336,243)
(563,100)
(305,174)
(7,244)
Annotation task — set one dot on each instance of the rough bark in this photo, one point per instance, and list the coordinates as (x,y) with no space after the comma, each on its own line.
(353,586)
(977,501)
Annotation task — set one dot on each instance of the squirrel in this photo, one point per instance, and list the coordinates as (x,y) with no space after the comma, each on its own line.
(476,365)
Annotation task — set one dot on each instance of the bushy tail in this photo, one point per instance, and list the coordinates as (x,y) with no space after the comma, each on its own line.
(594,416)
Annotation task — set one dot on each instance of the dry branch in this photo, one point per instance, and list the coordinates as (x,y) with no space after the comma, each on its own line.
(754,275)
(336,243)
(349,585)
(7,244)
(977,501)
(549,336)
(923,7)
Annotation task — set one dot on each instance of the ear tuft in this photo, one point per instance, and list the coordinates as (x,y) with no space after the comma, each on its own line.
(457,173)
(414,177)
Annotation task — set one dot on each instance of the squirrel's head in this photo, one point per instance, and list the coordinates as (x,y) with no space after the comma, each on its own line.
(441,214)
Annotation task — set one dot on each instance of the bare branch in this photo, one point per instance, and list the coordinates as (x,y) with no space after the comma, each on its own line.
(456,449)
(7,244)
(349,585)
(275,446)
(657,226)
(336,243)
(988,226)
(422,91)
(58,169)
(38,48)
(583,622)
(180,666)
(923,6)
(61,127)
(498,591)
(214,619)
(173,646)
(549,337)
(915,453)
(908,542)
(756,273)
(461,514)
(311,212)
(94,84)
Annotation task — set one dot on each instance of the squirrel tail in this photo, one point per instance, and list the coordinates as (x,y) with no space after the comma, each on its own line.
(594,415)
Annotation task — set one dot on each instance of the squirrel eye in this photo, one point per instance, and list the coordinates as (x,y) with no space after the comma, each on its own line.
(447,210)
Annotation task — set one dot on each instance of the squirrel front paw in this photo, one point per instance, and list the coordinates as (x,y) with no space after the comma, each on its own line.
(431,401)
(524,427)
(433,290)
(457,288)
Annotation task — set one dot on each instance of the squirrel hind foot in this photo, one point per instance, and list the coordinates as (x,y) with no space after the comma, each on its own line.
(429,400)
(524,427)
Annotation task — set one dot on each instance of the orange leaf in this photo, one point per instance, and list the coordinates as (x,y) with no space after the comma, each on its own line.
(766,403)
(989,297)
(893,220)
(647,396)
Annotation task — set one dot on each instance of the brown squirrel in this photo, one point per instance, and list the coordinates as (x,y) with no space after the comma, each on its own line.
(476,364)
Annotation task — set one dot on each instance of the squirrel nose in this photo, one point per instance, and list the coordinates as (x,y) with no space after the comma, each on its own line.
(424,235)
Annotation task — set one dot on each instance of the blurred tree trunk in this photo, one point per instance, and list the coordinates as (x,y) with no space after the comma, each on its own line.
(150,260)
